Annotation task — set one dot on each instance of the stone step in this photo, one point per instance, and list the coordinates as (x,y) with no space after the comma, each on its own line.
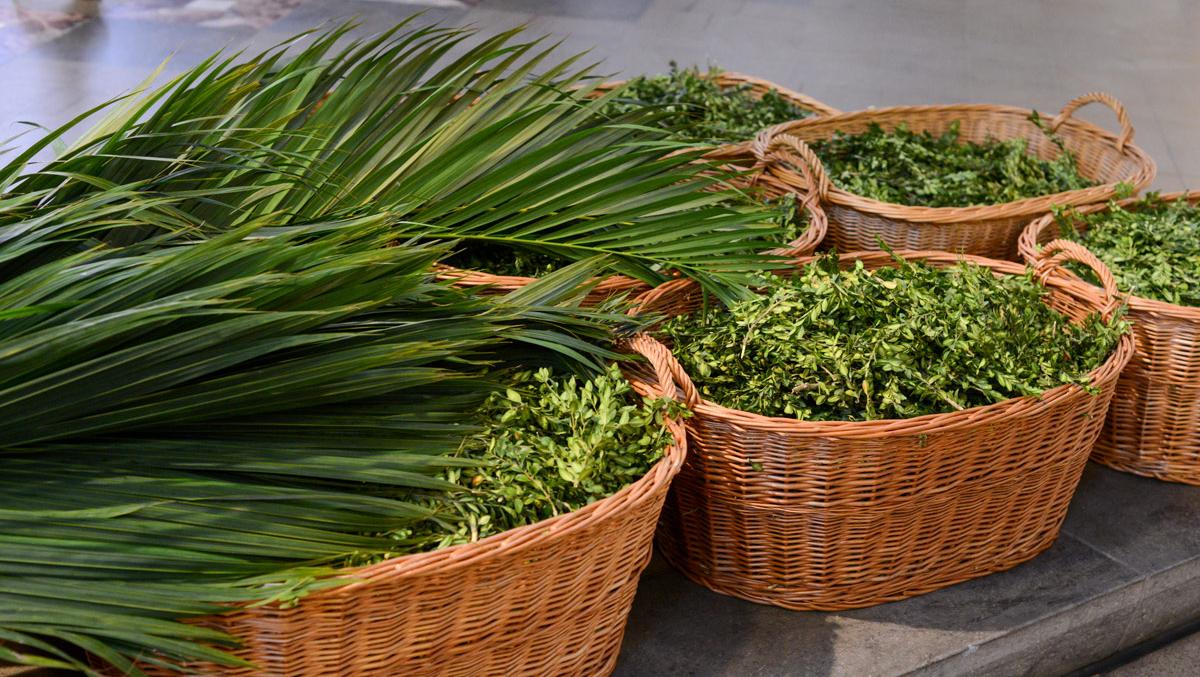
(1180,658)
(1125,570)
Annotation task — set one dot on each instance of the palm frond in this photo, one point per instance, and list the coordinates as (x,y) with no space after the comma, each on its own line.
(190,425)
(499,146)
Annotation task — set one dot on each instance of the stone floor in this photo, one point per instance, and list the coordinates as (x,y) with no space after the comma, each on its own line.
(62,55)
(1128,566)
(1179,658)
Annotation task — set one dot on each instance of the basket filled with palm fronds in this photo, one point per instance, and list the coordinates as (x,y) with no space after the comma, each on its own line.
(713,106)
(246,430)
(531,566)
(880,425)
(962,178)
(1152,246)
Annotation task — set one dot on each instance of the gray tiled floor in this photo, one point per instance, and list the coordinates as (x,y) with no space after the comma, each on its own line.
(851,54)
(1181,658)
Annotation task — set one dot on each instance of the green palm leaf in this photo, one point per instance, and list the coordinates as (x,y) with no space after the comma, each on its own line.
(192,424)
(499,147)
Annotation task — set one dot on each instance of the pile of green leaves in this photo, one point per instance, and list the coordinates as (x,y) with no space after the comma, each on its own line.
(226,363)
(782,214)
(488,142)
(696,109)
(1153,248)
(189,425)
(546,447)
(832,345)
(920,169)
(791,218)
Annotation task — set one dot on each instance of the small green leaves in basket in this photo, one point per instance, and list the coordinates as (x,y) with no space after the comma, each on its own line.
(698,109)
(898,342)
(920,169)
(548,446)
(1153,247)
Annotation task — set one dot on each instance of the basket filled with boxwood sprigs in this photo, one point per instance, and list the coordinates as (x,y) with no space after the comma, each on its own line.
(547,445)
(961,178)
(713,106)
(943,170)
(1152,246)
(885,424)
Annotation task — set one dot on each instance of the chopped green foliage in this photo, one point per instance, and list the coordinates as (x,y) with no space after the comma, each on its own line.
(790,217)
(920,169)
(697,109)
(830,344)
(1153,249)
(547,446)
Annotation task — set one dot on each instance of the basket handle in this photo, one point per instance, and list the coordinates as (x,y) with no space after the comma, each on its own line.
(667,369)
(1109,100)
(1057,252)
(774,147)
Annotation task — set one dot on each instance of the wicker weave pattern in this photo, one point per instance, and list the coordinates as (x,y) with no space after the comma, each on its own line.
(1153,428)
(850,514)
(503,284)
(549,598)
(991,230)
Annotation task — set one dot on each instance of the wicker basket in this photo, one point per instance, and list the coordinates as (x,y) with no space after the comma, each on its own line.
(837,515)
(549,598)
(855,222)
(1153,428)
(502,284)
(758,88)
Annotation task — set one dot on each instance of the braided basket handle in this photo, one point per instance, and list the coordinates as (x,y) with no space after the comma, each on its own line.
(777,148)
(667,369)
(1057,252)
(1109,100)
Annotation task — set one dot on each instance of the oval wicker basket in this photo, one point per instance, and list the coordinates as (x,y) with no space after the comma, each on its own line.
(550,598)
(838,515)
(757,88)
(855,222)
(1153,427)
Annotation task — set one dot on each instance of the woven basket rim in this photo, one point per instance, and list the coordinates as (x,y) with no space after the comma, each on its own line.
(989,414)
(612,284)
(529,535)
(815,128)
(1027,246)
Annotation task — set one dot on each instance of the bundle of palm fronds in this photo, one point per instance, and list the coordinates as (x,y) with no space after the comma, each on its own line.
(187,425)
(479,151)
(225,365)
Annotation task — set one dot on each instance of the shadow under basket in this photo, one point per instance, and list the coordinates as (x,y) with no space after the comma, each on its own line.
(1153,427)
(550,598)
(857,222)
(813,515)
